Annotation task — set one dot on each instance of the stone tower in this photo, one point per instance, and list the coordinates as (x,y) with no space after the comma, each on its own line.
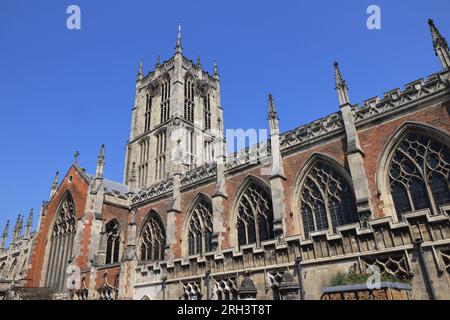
(176,118)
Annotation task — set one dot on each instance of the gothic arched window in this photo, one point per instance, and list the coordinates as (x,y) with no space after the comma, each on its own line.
(189,99)
(200,227)
(255,216)
(112,241)
(327,200)
(148,112)
(153,238)
(61,244)
(207,111)
(165,100)
(419,174)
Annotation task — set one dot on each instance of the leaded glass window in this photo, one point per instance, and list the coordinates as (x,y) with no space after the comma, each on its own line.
(419,174)
(165,100)
(113,241)
(61,244)
(200,228)
(189,99)
(327,200)
(255,215)
(153,239)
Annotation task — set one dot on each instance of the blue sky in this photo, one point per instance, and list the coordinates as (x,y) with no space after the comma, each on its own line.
(62,90)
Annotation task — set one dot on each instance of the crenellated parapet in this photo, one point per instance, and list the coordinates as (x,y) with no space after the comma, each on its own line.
(398,100)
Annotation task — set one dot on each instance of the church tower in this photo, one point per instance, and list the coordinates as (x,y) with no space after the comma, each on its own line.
(176,118)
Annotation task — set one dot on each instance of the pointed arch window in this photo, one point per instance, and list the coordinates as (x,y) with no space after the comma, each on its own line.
(327,200)
(419,174)
(189,103)
(61,244)
(200,227)
(153,239)
(207,111)
(112,241)
(165,100)
(148,112)
(255,215)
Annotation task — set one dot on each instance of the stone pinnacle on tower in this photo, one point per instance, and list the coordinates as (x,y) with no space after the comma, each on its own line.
(216,71)
(158,61)
(440,45)
(179,48)
(140,74)
(341,86)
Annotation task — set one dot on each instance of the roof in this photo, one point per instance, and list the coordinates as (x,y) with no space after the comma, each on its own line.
(114,187)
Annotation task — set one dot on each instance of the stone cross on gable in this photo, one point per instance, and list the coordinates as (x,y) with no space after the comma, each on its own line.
(76,155)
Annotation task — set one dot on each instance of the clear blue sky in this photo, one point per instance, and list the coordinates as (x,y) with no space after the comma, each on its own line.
(62,90)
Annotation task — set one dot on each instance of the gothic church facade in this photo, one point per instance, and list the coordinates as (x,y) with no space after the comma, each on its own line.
(367,185)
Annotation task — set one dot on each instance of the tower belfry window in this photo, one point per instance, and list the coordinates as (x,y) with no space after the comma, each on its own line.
(160,160)
(189,100)
(148,110)
(143,163)
(207,111)
(165,101)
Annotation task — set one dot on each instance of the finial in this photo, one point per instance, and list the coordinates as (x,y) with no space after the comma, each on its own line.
(158,61)
(216,71)
(100,162)
(271,107)
(5,231)
(55,184)
(341,86)
(75,156)
(29,224)
(178,48)
(140,72)
(440,45)
(199,63)
(30,216)
(56,180)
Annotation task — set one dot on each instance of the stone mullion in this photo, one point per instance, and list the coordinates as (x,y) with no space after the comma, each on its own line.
(50,262)
(61,271)
(56,265)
